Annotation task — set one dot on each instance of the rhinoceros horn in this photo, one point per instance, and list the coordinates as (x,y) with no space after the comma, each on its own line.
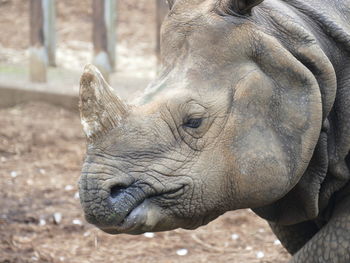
(100,108)
(170,3)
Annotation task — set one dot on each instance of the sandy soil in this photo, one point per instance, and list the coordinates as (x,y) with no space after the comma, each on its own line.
(41,151)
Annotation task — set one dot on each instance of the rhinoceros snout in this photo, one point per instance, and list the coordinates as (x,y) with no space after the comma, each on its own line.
(122,200)
(108,205)
(116,191)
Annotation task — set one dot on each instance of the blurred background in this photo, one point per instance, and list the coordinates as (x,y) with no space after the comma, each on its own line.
(44,45)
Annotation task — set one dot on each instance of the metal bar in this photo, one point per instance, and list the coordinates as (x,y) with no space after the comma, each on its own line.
(37,51)
(50,30)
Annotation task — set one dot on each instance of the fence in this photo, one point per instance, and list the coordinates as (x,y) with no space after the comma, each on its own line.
(104,15)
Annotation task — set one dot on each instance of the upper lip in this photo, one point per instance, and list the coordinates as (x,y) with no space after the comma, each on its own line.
(127,223)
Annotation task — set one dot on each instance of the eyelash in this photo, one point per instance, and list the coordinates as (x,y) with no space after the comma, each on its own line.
(193,123)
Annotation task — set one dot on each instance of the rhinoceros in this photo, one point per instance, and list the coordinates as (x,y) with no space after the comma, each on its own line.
(251,109)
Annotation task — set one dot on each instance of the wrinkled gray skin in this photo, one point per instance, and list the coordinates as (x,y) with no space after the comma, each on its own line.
(251,109)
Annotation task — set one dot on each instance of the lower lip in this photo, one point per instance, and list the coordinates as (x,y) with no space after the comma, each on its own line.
(135,220)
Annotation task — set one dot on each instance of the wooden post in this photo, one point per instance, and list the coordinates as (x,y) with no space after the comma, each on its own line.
(50,30)
(162,11)
(37,52)
(42,38)
(104,35)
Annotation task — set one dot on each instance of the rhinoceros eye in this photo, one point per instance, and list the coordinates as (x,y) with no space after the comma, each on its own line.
(193,123)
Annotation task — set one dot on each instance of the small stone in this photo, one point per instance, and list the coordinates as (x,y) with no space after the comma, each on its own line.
(235,236)
(14,174)
(149,234)
(68,187)
(3,159)
(260,254)
(30,182)
(62,259)
(248,248)
(42,171)
(57,218)
(96,242)
(76,195)
(42,222)
(182,252)
(277,242)
(87,233)
(23,239)
(261,230)
(3,216)
(77,222)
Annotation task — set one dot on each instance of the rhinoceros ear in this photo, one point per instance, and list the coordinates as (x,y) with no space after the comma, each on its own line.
(100,108)
(241,7)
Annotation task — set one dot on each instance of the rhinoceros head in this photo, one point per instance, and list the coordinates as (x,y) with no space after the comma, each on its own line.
(231,122)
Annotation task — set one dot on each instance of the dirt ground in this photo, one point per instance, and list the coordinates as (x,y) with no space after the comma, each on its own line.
(41,152)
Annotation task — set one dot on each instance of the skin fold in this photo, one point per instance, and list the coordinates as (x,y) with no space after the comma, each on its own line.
(251,109)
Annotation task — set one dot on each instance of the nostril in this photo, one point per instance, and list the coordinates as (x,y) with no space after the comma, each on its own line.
(117,190)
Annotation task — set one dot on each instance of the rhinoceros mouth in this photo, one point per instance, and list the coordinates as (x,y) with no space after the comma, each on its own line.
(144,215)
(134,222)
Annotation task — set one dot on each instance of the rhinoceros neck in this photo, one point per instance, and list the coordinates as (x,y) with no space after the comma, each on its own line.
(332,19)
(329,17)
(318,34)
